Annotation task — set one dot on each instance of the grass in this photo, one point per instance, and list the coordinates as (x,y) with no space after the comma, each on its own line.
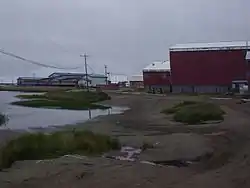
(33,89)
(192,112)
(46,146)
(178,107)
(80,100)
(3,119)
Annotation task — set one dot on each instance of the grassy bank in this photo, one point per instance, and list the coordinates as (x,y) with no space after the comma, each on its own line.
(80,100)
(45,146)
(33,89)
(192,112)
(3,119)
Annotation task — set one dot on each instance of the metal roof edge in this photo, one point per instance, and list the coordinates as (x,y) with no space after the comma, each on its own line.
(207,49)
(158,66)
(237,45)
(156,70)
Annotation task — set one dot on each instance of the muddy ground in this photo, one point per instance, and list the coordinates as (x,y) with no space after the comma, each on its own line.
(209,155)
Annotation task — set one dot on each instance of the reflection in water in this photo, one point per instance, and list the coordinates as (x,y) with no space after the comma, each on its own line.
(36,118)
(89,114)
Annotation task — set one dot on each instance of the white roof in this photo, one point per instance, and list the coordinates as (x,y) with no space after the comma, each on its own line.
(211,46)
(158,66)
(136,78)
(248,55)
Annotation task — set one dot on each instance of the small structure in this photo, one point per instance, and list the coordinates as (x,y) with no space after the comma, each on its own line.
(237,85)
(123,84)
(157,77)
(136,82)
(93,80)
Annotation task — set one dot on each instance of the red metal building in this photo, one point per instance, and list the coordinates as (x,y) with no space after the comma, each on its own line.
(208,68)
(156,77)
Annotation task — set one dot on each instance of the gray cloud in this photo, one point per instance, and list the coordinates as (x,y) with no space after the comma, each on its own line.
(125,35)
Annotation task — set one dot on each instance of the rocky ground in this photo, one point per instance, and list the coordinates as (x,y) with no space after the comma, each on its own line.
(210,155)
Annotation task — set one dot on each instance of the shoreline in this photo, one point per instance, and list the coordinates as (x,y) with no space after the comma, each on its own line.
(7,134)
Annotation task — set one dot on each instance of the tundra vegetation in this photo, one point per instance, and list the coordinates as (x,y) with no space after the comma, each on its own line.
(193,112)
(72,100)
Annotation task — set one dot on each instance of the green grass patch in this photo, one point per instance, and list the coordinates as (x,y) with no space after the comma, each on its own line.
(177,107)
(46,146)
(192,112)
(34,89)
(3,119)
(54,104)
(80,100)
(31,96)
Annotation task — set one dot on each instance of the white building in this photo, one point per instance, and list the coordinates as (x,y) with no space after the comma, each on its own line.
(136,81)
(93,80)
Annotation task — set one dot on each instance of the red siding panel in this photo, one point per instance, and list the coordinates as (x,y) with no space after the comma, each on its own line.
(207,67)
(156,78)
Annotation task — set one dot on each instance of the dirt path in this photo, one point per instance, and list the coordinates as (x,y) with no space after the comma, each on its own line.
(221,150)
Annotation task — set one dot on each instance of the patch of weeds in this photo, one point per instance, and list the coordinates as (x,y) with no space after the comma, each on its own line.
(198,113)
(31,96)
(81,100)
(3,119)
(177,107)
(70,105)
(191,112)
(34,89)
(40,146)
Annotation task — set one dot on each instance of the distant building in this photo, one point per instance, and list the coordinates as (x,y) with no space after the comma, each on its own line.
(116,78)
(68,75)
(157,77)
(209,67)
(93,80)
(123,84)
(62,79)
(136,81)
(30,81)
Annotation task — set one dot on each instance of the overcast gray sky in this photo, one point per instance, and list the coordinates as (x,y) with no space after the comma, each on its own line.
(124,34)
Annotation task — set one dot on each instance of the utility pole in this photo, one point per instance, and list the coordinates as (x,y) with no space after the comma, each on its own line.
(86,70)
(106,73)
(247,64)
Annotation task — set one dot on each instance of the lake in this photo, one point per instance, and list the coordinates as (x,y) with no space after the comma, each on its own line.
(23,118)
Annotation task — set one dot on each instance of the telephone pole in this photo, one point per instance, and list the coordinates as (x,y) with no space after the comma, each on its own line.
(86,70)
(106,73)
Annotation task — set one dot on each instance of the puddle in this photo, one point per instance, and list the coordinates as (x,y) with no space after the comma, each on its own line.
(125,154)
(23,118)
(133,155)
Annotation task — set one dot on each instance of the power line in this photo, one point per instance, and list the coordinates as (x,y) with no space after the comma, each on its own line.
(34,62)
(91,68)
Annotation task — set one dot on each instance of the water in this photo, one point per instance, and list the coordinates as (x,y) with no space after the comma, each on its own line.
(23,118)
